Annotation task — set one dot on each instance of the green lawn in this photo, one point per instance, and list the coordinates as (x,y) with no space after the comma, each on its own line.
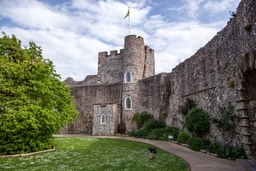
(96,154)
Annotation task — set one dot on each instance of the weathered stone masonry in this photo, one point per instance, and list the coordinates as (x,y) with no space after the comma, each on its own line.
(85,97)
(223,72)
(106,92)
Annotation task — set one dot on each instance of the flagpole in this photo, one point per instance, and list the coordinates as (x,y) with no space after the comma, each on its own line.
(129,22)
(128,15)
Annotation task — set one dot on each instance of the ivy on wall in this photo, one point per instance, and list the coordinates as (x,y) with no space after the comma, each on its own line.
(225,120)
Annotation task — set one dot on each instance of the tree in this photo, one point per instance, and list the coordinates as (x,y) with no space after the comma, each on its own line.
(34,103)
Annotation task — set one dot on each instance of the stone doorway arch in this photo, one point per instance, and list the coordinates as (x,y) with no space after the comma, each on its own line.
(246,99)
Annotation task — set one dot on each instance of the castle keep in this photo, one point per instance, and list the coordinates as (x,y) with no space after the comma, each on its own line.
(106,101)
(218,75)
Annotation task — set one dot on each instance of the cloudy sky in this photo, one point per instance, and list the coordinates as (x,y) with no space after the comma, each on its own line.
(72,32)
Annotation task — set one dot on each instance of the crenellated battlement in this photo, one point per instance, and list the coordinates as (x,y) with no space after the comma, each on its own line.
(134,37)
(149,50)
(134,57)
(112,53)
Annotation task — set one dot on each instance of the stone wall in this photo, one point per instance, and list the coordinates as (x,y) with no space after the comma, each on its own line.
(89,80)
(110,67)
(214,75)
(84,98)
(112,113)
(153,95)
(149,63)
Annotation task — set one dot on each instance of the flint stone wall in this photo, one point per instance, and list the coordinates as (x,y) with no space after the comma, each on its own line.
(215,74)
(112,113)
(85,97)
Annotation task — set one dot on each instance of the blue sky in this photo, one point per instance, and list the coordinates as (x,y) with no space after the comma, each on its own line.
(72,32)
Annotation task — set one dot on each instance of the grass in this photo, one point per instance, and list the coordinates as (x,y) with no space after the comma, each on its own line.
(96,154)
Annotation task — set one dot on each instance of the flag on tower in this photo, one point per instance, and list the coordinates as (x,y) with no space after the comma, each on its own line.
(128,13)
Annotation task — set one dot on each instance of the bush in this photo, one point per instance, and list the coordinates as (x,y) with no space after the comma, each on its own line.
(154,124)
(197,122)
(141,118)
(163,133)
(171,131)
(139,134)
(182,137)
(214,147)
(156,134)
(132,133)
(189,104)
(231,152)
(195,143)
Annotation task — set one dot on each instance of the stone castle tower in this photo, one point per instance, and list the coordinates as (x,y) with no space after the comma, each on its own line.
(218,77)
(109,105)
(136,59)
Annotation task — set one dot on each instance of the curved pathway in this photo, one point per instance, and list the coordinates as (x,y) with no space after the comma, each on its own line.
(197,161)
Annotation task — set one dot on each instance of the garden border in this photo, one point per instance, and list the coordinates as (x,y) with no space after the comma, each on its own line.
(201,150)
(28,154)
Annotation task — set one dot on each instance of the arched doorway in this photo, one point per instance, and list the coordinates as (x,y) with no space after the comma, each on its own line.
(246,100)
(250,95)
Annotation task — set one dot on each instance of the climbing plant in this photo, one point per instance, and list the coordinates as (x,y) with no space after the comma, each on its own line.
(248,27)
(225,120)
(141,118)
(189,104)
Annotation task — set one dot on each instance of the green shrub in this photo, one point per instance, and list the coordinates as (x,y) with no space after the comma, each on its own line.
(155,134)
(170,131)
(182,137)
(189,104)
(163,133)
(154,124)
(214,147)
(195,143)
(132,133)
(231,152)
(197,122)
(239,153)
(139,133)
(141,118)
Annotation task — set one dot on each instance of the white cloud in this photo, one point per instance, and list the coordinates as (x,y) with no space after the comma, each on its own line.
(71,34)
(174,42)
(33,14)
(216,7)
(190,8)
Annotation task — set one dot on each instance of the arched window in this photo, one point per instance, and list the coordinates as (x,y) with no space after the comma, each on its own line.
(128,103)
(128,77)
(103,119)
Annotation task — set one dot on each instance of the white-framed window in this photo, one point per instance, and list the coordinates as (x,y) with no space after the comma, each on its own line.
(128,103)
(127,77)
(103,119)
